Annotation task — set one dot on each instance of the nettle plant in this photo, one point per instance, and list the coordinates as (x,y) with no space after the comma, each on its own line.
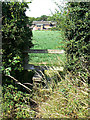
(16,35)
(77,35)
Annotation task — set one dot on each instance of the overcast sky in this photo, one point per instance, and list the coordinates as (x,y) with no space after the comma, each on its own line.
(42,7)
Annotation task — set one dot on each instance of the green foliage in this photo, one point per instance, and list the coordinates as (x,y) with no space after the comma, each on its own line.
(16,104)
(31,19)
(60,18)
(16,39)
(77,35)
(43,17)
(16,35)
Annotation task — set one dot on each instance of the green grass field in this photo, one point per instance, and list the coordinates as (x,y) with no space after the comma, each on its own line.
(47,40)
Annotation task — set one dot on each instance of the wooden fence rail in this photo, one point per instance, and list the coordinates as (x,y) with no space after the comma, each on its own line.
(45,51)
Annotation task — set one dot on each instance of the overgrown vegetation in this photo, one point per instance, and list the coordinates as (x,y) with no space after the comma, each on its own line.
(63,98)
(77,35)
(16,38)
(59,94)
(16,104)
(16,35)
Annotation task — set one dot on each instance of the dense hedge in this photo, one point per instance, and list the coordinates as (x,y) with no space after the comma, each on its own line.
(77,34)
(16,35)
(16,38)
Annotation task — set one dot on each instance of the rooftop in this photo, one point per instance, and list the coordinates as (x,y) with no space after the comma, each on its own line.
(43,22)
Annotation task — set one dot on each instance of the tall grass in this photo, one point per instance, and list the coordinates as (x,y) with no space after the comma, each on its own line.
(57,95)
(62,96)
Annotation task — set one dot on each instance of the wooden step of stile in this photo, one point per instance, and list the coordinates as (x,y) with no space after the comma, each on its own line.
(41,68)
(37,80)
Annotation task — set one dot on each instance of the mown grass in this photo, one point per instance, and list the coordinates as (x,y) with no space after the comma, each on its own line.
(47,40)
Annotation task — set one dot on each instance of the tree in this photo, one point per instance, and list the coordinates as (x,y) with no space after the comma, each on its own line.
(43,17)
(31,19)
(59,18)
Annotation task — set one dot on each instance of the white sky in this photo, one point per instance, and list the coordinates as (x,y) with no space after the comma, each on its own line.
(41,7)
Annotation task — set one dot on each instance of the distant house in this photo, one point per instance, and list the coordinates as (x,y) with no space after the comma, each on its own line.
(43,25)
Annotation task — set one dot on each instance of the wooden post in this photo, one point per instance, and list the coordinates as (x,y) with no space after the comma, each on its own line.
(26,57)
(26,60)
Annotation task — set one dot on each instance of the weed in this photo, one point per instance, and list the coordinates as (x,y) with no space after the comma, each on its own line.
(62,97)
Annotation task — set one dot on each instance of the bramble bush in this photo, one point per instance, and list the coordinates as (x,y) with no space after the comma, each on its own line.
(77,35)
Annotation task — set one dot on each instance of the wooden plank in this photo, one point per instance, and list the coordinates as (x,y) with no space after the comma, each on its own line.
(45,51)
(55,51)
(36,51)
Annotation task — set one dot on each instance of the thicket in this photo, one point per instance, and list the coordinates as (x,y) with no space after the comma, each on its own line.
(77,35)
(16,38)
(16,35)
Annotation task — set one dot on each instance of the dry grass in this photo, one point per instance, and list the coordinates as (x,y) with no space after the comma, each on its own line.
(61,97)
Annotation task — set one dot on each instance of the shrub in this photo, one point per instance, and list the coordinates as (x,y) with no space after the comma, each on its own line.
(16,38)
(16,104)
(16,35)
(77,35)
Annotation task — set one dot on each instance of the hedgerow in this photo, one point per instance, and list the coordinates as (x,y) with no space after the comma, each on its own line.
(16,38)
(16,35)
(77,35)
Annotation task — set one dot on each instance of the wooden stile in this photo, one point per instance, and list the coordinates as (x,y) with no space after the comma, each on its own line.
(32,67)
